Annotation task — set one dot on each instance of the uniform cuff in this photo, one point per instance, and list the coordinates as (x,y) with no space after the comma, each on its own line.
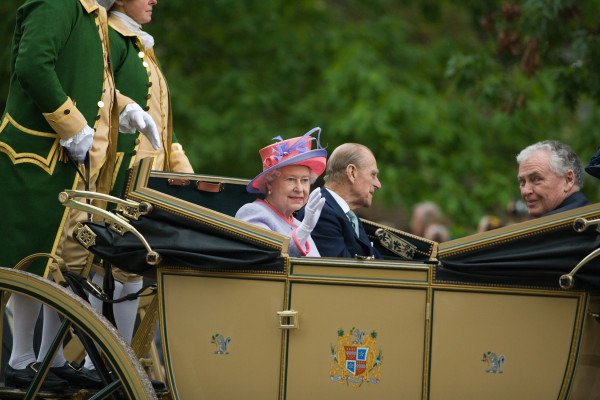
(178,161)
(67,120)
(123,101)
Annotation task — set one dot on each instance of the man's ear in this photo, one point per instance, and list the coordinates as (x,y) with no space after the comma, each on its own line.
(569,180)
(351,172)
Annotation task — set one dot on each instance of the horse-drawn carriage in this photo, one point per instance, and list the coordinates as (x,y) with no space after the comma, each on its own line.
(494,315)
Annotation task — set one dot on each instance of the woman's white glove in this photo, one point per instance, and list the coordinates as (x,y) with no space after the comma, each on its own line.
(133,119)
(312,212)
(79,144)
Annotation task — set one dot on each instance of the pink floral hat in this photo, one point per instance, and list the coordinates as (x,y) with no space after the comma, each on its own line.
(294,151)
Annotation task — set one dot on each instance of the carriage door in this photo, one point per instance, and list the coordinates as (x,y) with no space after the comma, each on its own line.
(361,330)
(220,335)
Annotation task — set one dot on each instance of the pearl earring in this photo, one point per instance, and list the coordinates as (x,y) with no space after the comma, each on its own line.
(269,192)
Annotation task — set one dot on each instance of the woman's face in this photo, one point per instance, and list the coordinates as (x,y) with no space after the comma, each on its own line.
(289,191)
(138,10)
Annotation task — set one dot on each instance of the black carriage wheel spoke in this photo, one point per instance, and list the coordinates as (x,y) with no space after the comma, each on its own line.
(124,376)
(107,391)
(45,364)
(92,350)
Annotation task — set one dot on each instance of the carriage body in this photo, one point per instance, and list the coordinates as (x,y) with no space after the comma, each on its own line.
(410,326)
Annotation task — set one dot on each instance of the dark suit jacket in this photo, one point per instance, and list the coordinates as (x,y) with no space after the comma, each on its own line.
(334,235)
(575,200)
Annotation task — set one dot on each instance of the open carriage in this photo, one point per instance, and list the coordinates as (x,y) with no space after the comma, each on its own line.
(495,315)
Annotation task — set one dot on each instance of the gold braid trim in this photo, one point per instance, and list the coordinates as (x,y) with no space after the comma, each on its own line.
(63,156)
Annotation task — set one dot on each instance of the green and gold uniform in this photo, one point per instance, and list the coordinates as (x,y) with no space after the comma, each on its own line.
(138,76)
(61,80)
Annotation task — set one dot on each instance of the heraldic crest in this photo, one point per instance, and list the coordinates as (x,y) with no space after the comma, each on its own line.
(355,359)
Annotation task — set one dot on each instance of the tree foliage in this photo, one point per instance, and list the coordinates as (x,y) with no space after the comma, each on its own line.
(539,61)
(424,85)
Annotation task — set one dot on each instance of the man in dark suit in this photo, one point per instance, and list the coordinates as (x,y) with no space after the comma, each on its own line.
(350,181)
(551,178)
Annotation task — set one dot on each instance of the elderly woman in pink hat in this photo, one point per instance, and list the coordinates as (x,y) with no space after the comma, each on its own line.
(289,168)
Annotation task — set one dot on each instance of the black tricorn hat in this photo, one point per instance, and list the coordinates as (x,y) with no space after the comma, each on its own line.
(593,167)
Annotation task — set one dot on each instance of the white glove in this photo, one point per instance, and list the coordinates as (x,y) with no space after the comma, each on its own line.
(133,118)
(312,212)
(78,145)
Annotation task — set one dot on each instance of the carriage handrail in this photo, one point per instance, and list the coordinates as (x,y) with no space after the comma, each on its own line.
(579,225)
(117,223)
(130,209)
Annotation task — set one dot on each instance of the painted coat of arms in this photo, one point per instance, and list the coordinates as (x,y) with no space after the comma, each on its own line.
(355,360)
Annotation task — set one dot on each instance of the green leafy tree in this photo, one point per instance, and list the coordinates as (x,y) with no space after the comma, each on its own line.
(538,60)
(415,83)
(424,85)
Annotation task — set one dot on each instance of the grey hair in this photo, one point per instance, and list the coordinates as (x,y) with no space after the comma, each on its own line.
(341,157)
(436,232)
(276,173)
(562,158)
(106,3)
(429,212)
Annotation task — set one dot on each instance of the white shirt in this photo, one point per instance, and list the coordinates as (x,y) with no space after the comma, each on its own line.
(342,203)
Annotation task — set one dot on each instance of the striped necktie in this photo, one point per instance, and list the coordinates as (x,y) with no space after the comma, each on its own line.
(354,221)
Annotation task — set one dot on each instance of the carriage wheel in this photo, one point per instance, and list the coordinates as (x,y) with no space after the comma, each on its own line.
(131,380)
